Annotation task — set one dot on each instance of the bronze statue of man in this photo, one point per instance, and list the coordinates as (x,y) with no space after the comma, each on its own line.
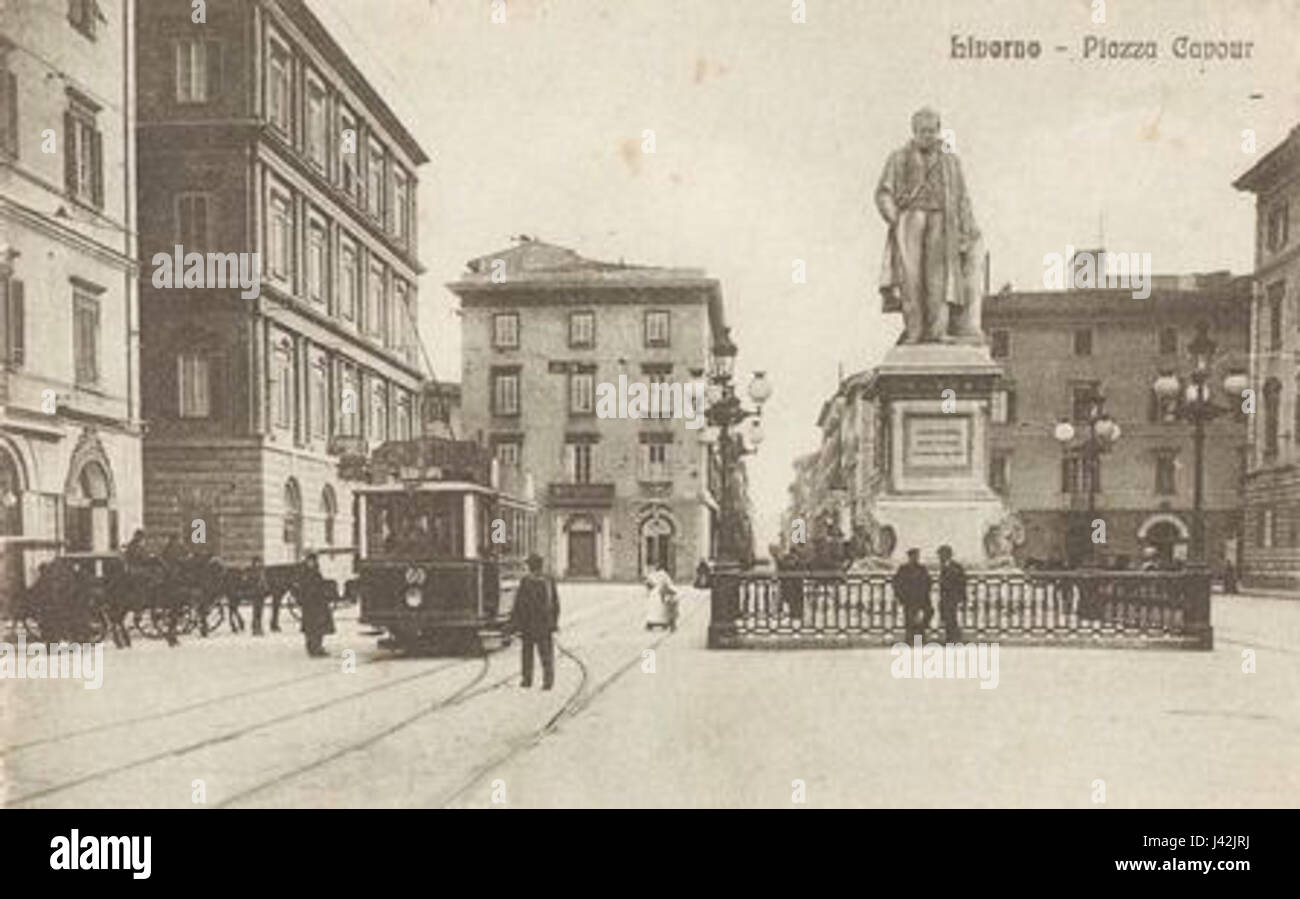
(932,255)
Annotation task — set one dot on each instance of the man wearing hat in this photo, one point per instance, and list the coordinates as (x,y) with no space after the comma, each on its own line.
(952,593)
(535,617)
(912,590)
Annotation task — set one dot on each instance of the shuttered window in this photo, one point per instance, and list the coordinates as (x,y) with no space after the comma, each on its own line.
(13,315)
(85,337)
(83,158)
(194,377)
(198,71)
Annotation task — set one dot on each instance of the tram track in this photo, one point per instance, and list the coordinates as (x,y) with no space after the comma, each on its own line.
(158,716)
(189,707)
(460,697)
(573,705)
(578,699)
(230,735)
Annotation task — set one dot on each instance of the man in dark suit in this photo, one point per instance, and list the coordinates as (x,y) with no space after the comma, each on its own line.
(952,593)
(912,590)
(535,617)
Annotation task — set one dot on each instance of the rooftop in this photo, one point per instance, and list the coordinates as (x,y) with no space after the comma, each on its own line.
(1274,164)
(537,262)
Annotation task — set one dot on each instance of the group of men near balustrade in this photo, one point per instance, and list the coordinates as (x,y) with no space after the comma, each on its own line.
(911,583)
(167,580)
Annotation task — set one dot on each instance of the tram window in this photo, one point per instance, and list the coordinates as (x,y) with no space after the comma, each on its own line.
(414,527)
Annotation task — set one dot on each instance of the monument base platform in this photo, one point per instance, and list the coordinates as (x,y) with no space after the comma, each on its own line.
(964,523)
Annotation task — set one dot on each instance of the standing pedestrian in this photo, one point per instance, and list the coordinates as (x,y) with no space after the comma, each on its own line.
(314,598)
(535,617)
(661,599)
(952,593)
(912,590)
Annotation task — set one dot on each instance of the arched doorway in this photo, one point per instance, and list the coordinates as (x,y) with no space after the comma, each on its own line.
(581,534)
(1166,533)
(11,493)
(328,509)
(291,533)
(11,525)
(91,520)
(657,545)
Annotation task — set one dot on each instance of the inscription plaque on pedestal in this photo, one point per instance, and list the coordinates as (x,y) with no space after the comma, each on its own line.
(937,445)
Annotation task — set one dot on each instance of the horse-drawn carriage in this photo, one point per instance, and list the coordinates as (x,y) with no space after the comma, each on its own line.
(86,597)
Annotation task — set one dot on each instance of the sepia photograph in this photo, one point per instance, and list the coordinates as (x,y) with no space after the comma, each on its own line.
(651,404)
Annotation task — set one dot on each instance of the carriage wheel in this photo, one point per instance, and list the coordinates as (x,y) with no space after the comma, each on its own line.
(157,622)
(189,619)
(140,621)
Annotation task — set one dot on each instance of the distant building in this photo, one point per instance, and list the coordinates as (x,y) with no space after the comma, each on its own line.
(69,384)
(259,135)
(543,330)
(1272,533)
(1056,345)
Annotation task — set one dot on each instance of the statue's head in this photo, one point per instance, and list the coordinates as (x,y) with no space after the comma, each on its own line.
(925,127)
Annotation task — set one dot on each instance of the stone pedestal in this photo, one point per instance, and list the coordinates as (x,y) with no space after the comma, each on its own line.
(937,399)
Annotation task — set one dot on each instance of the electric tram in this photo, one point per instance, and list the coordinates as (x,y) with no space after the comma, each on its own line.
(443,535)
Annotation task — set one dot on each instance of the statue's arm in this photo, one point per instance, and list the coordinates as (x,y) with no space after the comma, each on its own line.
(885,200)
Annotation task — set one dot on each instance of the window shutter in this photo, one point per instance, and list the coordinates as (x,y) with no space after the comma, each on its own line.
(17,315)
(97,167)
(112,529)
(9,114)
(69,154)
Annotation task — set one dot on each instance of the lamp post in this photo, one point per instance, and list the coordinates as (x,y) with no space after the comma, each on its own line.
(1192,394)
(1101,435)
(725,413)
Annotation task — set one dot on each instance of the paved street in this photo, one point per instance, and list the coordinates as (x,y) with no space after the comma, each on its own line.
(260,724)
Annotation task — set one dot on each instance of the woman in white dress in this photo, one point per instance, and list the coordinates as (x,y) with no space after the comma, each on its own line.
(661,600)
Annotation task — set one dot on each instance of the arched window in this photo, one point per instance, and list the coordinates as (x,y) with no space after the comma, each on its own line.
(328,510)
(11,489)
(91,522)
(292,533)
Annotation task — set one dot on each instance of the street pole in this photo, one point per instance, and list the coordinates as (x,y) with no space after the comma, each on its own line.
(1198,497)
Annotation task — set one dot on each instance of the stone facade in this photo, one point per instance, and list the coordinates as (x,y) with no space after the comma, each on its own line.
(260,136)
(1053,343)
(542,328)
(70,469)
(1271,544)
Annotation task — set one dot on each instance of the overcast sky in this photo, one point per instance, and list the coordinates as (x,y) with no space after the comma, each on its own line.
(770,137)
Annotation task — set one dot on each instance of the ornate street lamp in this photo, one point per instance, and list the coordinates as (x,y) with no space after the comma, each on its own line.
(1193,396)
(1103,431)
(725,413)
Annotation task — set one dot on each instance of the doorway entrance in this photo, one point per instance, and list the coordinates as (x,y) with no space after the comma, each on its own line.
(582,547)
(657,546)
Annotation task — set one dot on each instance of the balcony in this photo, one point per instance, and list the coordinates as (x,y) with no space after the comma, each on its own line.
(580,495)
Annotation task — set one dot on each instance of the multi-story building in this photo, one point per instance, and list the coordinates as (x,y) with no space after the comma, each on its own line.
(1055,349)
(260,136)
(1271,544)
(69,389)
(544,332)
(1057,346)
